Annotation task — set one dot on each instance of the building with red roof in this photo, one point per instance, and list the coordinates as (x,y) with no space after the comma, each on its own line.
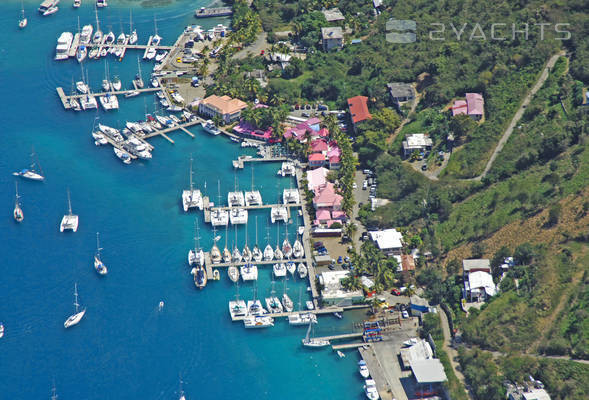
(316,160)
(327,197)
(358,107)
(473,106)
(319,146)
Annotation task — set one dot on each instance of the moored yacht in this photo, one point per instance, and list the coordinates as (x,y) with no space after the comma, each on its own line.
(268,253)
(200,277)
(249,272)
(279,270)
(196,256)
(237,308)
(17,213)
(287,302)
(238,216)
(297,249)
(69,221)
(302,270)
(302,319)
(363,369)
(257,254)
(290,196)
(98,264)
(215,253)
(47,5)
(308,341)
(278,214)
(86,34)
(233,273)
(77,3)
(370,389)
(122,155)
(31,172)
(258,321)
(64,42)
(192,198)
(291,267)
(101,3)
(78,315)
(209,126)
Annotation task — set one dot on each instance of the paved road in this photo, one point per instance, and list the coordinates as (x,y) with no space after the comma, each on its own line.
(255,48)
(452,353)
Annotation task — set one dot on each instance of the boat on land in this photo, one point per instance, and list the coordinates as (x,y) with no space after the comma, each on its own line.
(22,22)
(70,220)
(98,264)
(17,213)
(75,318)
(309,341)
(31,172)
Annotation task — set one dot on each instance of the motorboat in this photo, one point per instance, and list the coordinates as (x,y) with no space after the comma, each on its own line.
(340,354)
(370,389)
(101,3)
(99,138)
(154,82)
(112,133)
(363,369)
(77,3)
(297,249)
(70,220)
(22,22)
(309,341)
(50,11)
(31,172)
(191,198)
(46,5)
(238,216)
(299,319)
(210,127)
(160,56)
(150,53)
(64,42)
(268,253)
(1,330)
(75,318)
(233,273)
(287,303)
(82,87)
(302,270)
(237,308)
(81,53)
(122,155)
(98,264)
(174,108)
(165,103)
(17,213)
(132,93)
(200,277)
(279,270)
(291,267)
(86,34)
(258,321)
(249,272)
(309,304)
(109,102)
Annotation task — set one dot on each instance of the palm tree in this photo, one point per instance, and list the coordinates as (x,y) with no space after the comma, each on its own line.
(352,283)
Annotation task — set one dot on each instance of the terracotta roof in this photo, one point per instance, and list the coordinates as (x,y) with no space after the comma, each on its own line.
(323,215)
(475,103)
(359,108)
(459,108)
(224,104)
(317,157)
(407,262)
(318,146)
(327,195)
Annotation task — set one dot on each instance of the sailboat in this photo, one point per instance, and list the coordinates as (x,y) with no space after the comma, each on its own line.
(215,253)
(256,252)
(297,248)
(138,81)
(182,397)
(273,303)
(78,315)
(236,255)
(286,300)
(191,198)
(196,256)
(98,264)
(155,41)
(226,252)
(133,34)
(97,37)
(31,172)
(53,393)
(1,330)
(106,85)
(233,273)
(278,255)
(268,251)
(69,221)
(308,341)
(22,22)
(246,254)
(18,214)
(286,247)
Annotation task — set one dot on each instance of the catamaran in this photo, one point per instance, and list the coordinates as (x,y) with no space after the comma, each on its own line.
(22,22)
(78,315)
(238,216)
(31,172)
(278,214)
(98,264)
(258,321)
(279,270)
(308,341)
(273,303)
(249,272)
(237,307)
(69,221)
(191,198)
(18,214)
(302,270)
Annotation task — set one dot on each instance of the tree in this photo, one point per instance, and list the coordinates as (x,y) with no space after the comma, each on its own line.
(498,259)
(478,249)
(554,214)
(524,254)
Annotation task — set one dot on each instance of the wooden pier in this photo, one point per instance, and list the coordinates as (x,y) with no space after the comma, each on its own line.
(321,311)
(65,98)
(259,207)
(213,12)
(239,163)
(270,262)
(342,336)
(162,132)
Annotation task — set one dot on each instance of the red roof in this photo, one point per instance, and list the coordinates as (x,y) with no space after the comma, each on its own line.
(318,146)
(334,159)
(323,132)
(359,108)
(317,157)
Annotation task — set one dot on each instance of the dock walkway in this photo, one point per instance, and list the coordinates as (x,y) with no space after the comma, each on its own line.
(271,262)
(213,12)
(321,311)
(239,163)
(258,207)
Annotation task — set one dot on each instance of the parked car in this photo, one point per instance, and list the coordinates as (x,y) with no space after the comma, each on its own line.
(395,292)
(365,185)
(424,167)
(340,260)
(306,115)
(331,267)
(318,244)
(355,186)
(405,314)
(322,107)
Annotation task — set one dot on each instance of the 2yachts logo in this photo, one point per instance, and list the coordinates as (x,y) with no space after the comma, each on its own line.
(401,31)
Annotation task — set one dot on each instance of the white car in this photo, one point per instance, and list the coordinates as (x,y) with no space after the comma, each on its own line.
(405,314)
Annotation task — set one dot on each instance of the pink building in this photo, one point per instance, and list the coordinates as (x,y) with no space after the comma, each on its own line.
(473,106)
(316,178)
(326,197)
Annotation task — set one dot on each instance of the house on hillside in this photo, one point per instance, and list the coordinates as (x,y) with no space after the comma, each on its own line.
(332,38)
(358,107)
(473,106)
(478,281)
(389,241)
(333,15)
(400,92)
(419,142)
(224,106)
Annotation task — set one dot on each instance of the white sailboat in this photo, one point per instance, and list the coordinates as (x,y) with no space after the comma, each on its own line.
(268,251)
(256,252)
(31,172)
(273,303)
(191,198)
(302,270)
(78,315)
(98,264)
(286,300)
(308,341)
(97,37)
(291,267)
(22,22)
(133,34)
(138,81)
(196,256)
(18,213)
(215,253)
(286,246)
(247,253)
(226,252)
(69,221)
(277,252)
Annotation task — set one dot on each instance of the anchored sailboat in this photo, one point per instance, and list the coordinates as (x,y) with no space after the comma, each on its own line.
(98,264)
(78,315)
(23,20)
(69,221)
(18,214)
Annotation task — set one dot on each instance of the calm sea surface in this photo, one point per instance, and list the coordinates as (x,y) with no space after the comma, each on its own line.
(124,348)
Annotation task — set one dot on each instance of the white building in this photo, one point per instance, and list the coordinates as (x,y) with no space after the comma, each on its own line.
(332,37)
(333,293)
(478,281)
(389,241)
(419,142)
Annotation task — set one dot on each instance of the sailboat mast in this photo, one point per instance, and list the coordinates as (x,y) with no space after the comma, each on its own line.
(69,202)
(130,22)
(256,230)
(98,245)
(76,297)
(191,175)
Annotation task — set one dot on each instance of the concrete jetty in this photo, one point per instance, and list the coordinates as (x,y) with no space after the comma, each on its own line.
(213,12)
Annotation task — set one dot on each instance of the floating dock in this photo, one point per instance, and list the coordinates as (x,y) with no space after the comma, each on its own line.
(239,163)
(321,311)
(259,207)
(213,12)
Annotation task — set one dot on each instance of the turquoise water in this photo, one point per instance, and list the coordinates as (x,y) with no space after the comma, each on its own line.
(124,348)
